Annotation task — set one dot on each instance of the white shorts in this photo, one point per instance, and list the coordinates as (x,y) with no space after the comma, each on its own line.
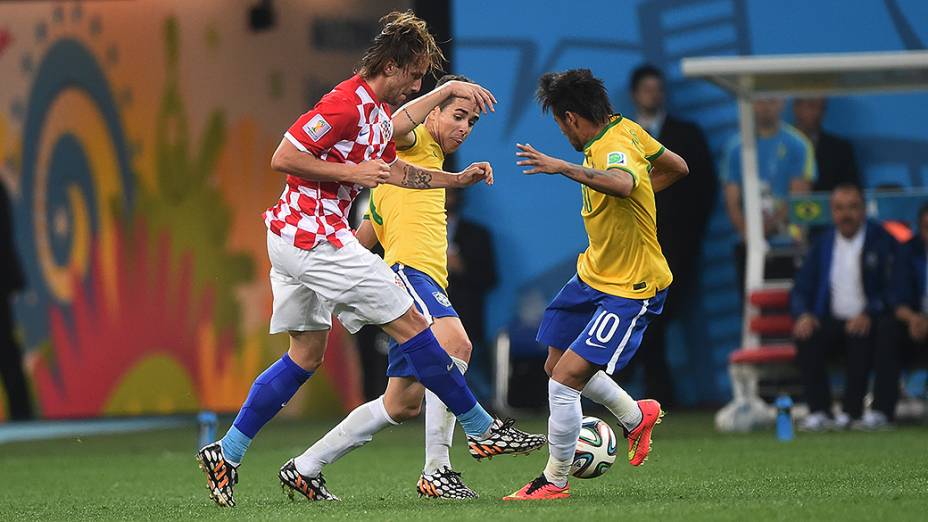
(351,282)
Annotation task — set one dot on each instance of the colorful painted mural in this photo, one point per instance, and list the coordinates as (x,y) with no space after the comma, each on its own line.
(135,141)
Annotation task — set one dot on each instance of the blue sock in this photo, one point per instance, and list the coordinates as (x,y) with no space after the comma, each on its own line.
(234,445)
(475,422)
(437,372)
(271,390)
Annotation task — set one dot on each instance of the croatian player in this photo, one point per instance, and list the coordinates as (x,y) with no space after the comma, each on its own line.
(595,324)
(412,226)
(318,268)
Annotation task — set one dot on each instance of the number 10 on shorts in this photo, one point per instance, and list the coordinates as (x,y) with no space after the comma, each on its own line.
(603,329)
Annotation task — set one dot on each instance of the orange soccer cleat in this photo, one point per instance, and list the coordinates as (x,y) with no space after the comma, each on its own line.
(540,489)
(639,439)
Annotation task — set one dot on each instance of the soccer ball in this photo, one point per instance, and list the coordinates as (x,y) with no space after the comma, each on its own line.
(596,449)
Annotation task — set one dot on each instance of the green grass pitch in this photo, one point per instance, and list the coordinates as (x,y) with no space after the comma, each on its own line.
(693,474)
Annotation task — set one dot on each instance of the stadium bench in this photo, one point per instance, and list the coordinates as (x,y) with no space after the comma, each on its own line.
(749,364)
(771,354)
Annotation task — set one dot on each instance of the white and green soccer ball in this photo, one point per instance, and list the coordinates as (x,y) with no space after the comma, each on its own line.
(596,449)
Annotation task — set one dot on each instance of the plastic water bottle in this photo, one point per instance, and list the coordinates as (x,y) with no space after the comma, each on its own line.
(784,418)
(207,421)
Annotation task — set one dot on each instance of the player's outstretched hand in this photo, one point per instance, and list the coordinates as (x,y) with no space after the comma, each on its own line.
(369,174)
(479,94)
(539,162)
(474,173)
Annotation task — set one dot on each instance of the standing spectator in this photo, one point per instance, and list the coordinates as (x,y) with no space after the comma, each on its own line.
(785,165)
(683,212)
(834,155)
(11,281)
(907,331)
(471,272)
(839,296)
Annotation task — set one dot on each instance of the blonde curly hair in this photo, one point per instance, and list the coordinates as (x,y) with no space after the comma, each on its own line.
(404,39)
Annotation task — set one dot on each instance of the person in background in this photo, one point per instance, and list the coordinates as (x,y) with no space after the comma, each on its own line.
(907,330)
(785,166)
(834,155)
(683,212)
(19,405)
(471,272)
(840,295)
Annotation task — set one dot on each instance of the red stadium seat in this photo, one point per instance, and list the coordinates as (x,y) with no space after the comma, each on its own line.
(772,325)
(776,353)
(770,298)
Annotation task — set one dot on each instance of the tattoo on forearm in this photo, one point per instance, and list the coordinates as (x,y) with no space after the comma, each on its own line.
(584,171)
(589,173)
(415,177)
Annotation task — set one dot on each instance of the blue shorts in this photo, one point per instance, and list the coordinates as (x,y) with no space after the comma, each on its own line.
(431,301)
(604,329)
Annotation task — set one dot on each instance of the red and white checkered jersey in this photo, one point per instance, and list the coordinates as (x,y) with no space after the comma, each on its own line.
(348,125)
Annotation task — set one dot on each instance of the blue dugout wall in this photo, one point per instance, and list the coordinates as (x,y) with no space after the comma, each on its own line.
(535,220)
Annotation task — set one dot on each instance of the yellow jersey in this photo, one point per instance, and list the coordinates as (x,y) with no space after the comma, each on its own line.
(411,224)
(624,258)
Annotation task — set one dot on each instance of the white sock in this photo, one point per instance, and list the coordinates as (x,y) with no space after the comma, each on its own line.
(439,428)
(563,430)
(603,390)
(356,430)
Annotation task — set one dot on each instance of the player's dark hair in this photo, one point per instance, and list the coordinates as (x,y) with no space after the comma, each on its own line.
(405,39)
(452,77)
(641,72)
(576,91)
(448,78)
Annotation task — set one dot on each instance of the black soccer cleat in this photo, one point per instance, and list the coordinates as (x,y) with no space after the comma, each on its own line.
(504,439)
(312,488)
(221,476)
(444,483)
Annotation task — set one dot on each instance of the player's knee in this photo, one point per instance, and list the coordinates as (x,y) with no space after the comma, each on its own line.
(409,325)
(305,357)
(460,348)
(417,320)
(554,356)
(307,349)
(550,363)
(404,411)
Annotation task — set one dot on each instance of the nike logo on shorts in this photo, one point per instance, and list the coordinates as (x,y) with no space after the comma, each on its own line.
(594,345)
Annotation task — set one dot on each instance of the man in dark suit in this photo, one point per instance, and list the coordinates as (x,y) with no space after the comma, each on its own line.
(834,155)
(11,281)
(840,295)
(906,331)
(471,271)
(683,212)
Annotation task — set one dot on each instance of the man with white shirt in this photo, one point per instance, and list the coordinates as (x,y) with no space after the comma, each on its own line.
(838,297)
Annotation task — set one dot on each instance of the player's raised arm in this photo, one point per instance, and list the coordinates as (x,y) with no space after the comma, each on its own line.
(668,168)
(618,183)
(406,175)
(413,113)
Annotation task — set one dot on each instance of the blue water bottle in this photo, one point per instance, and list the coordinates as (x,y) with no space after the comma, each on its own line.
(207,421)
(784,418)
